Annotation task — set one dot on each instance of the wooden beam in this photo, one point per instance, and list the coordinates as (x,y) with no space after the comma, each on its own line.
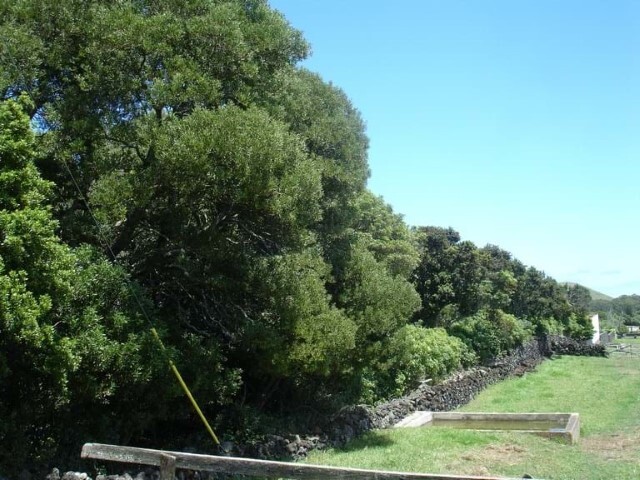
(416,419)
(167,467)
(559,417)
(258,468)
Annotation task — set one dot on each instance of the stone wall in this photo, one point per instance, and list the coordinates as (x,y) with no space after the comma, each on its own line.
(568,346)
(457,390)
(353,421)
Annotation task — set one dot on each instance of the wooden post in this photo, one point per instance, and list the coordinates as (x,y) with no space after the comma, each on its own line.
(167,467)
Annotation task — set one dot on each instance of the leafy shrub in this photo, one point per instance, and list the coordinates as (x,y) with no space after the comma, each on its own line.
(548,326)
(579,327)
(490,333)
(413,354)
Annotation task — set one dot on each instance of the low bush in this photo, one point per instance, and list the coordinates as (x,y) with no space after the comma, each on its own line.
(579,327)
(490,333)
(413,354)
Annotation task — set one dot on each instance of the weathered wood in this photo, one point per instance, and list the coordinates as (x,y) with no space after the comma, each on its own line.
(570,432)
(167,467)
(416,419)
(259,468)
(564,417)
(573,427)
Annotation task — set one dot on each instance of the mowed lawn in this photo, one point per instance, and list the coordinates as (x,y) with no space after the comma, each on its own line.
(605,392)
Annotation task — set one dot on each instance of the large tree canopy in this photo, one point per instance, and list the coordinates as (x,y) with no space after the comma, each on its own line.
(171,155)
(230,185)
(70,337)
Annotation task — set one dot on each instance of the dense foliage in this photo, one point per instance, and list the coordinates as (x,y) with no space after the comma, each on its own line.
(489,299)
(618,313)
(72,341)
(229,189)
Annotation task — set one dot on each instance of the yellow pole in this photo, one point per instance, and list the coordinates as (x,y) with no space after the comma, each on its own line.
(186,389)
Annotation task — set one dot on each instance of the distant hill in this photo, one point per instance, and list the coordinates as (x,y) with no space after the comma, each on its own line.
(595,295)
(598,295)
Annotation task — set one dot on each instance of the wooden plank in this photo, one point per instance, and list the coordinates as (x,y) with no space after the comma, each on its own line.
(258,468)
(416,419)
(570,432)
(573,427)
(167,467)
(422,419)
(500,416)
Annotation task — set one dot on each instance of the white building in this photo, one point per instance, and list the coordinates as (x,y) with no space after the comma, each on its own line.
(595,321)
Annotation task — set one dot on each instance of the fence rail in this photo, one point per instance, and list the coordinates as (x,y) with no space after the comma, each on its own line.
(170,461)
(626,348)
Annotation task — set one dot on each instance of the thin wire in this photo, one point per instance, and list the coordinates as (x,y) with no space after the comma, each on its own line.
(105,244)
(174,369)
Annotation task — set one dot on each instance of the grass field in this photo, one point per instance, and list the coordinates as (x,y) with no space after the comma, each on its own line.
(606,393)
(629,340)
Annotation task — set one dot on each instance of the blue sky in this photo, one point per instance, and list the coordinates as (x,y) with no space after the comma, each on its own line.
(517,123)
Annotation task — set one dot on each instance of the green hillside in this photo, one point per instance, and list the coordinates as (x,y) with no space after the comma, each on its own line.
(595,295)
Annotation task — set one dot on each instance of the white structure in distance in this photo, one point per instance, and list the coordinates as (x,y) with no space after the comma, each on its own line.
(595,321)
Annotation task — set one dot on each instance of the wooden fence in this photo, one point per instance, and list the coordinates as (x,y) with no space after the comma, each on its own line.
(168,462)
(625,348)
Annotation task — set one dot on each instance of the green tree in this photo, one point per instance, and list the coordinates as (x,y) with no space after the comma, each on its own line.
(448,277)
(540,301)
(69,341)
(35,269)
(620,311)
(579,297)
(94,68)
(334,134)
(154,106)
(230,184)
(500,277)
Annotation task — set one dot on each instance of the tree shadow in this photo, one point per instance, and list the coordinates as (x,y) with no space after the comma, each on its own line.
(370,440)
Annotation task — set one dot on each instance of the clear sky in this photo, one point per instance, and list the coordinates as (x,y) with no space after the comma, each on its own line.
(517,123)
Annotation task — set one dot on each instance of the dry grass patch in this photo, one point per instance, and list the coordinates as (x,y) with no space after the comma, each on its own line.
(616,446)
(486,460)
(628,371)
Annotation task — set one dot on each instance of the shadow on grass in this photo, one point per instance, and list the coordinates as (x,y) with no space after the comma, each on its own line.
(370,440)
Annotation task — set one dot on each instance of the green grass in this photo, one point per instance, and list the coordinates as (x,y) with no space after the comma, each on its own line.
(606,393)
(628,340)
